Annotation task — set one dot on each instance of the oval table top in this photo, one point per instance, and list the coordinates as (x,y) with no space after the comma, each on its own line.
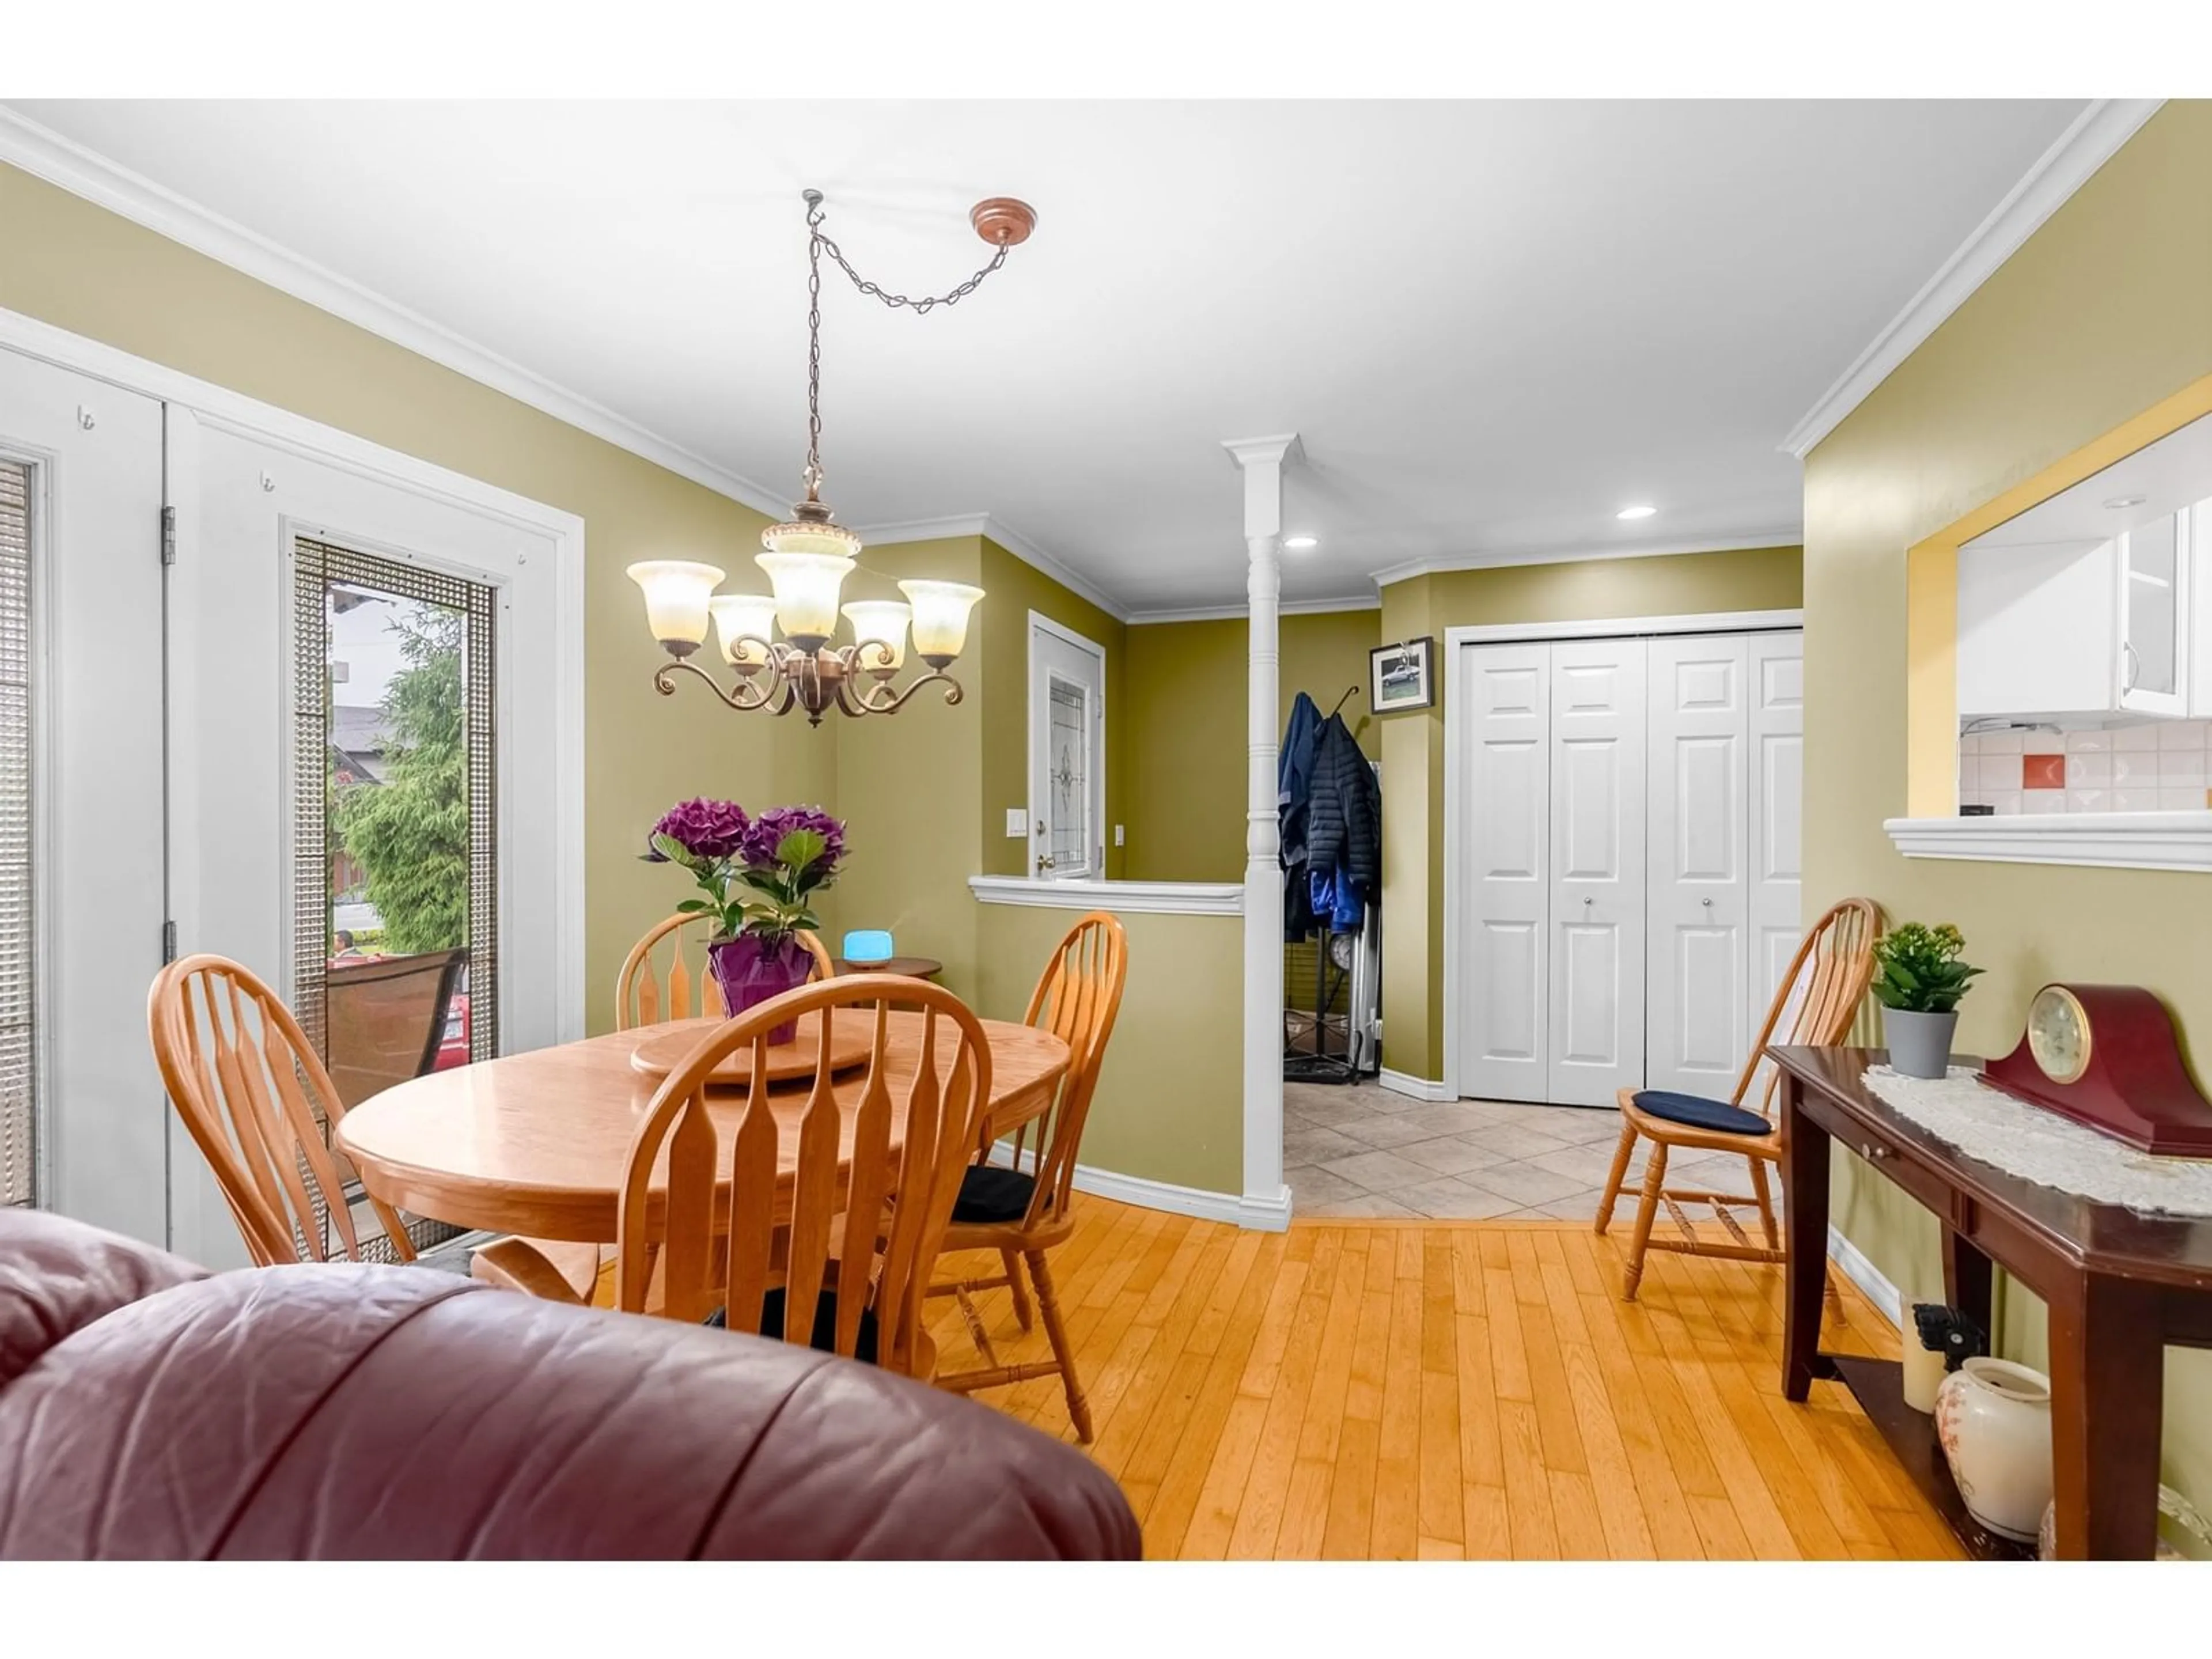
(538,1142)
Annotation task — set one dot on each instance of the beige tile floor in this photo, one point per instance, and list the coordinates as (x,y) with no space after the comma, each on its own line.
(1360,1151)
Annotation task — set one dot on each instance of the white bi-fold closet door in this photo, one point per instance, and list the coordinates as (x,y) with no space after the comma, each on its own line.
(1630,862)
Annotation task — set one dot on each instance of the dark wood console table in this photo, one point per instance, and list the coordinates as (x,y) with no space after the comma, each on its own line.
(2120,1288)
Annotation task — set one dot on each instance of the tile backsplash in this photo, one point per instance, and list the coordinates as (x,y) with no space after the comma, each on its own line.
(2152,766)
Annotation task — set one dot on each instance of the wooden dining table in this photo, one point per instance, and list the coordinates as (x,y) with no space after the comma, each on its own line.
(539,1143)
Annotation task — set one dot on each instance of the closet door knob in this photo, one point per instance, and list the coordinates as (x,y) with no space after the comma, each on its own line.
(1587,899)
(1707,903)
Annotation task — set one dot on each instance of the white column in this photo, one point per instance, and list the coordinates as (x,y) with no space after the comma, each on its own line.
(1266,1200)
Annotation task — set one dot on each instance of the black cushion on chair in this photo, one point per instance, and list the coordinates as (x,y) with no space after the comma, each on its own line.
(825,1335)
(989,1195)
(1698,1113)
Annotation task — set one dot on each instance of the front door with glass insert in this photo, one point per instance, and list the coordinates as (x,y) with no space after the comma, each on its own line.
(1067,773)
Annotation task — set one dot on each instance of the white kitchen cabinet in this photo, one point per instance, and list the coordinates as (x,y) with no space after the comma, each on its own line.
(2081,628)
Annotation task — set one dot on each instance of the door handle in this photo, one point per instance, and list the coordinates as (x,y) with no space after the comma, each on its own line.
(1044,862)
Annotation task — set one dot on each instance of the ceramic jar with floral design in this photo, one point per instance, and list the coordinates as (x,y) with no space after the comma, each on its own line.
(1993,1418)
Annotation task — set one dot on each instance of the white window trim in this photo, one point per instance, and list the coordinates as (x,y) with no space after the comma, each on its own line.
(221,406)
(1040,623)
(1455,803)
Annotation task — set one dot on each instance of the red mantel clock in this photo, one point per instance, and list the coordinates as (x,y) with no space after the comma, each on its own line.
(2107,1056)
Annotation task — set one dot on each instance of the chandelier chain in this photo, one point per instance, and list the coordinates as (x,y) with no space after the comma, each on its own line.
(817,242)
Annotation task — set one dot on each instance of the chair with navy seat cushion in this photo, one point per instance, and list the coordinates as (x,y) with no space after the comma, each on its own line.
(1816,1002)
(1022,1208)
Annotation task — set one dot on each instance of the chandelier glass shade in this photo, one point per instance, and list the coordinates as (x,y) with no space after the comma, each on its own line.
(809,556)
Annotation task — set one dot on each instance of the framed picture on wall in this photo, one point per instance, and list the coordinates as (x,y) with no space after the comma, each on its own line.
(1403,676)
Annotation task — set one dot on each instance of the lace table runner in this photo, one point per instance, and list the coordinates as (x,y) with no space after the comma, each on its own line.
(2041,1146)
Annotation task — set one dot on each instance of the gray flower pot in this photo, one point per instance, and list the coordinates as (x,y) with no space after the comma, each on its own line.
(1919,1044)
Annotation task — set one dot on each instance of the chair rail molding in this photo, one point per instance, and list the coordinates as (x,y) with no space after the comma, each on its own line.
(2111,841)
(1163,898)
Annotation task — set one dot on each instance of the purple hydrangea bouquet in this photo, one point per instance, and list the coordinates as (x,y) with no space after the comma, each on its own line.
(759,876)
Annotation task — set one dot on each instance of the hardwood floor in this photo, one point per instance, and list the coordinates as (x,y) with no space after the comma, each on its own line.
(1449,1390)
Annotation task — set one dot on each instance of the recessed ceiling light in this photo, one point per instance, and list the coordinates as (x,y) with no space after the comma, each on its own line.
(1299,544)
(2120,501)
(1635,512)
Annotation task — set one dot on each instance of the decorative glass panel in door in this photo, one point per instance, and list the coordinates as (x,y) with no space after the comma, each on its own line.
(396,964)
(1070,825)
(1067,711)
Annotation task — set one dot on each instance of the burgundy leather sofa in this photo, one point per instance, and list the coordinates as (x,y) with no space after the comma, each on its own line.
(149,1408)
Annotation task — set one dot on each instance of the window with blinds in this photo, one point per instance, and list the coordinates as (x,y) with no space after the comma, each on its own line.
(19,1116)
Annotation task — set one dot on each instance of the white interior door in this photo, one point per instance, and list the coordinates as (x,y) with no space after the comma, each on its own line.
(1504,696)
(81,875)
(1699,957)
(1598,871)
(1775,676)
(1068,753)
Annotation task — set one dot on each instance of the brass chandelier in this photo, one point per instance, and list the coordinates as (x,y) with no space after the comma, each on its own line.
(809,556)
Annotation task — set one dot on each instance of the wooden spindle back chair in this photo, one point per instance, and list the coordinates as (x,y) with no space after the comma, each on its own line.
(729,1231)
(1021,1212)
(260,1106)
(643,996)
(558,1270)
(1816,1003)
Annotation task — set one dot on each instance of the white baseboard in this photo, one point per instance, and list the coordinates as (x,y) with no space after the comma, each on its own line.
(1250,1210)
(1868,1276)
(1416,1088)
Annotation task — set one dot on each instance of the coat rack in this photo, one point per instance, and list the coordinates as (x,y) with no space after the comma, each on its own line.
(1349,692)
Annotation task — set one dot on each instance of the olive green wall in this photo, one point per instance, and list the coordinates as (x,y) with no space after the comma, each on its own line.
(1170,1105)
(1184,761)
(1763,579)
(909,787)
(2076,333)
(81,268)
(1016,589)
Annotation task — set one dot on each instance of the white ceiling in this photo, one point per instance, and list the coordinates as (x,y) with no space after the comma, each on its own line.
(1493,324)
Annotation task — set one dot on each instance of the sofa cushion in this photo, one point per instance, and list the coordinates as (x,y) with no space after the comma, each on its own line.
(360,1412)
(58,1276)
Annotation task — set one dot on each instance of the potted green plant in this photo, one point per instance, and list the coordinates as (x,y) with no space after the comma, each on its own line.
(1918,980)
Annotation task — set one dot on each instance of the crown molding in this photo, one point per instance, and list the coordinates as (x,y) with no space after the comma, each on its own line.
(69,166)
(2086,145)
(996,530)
(1792,537)
(1238,613)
